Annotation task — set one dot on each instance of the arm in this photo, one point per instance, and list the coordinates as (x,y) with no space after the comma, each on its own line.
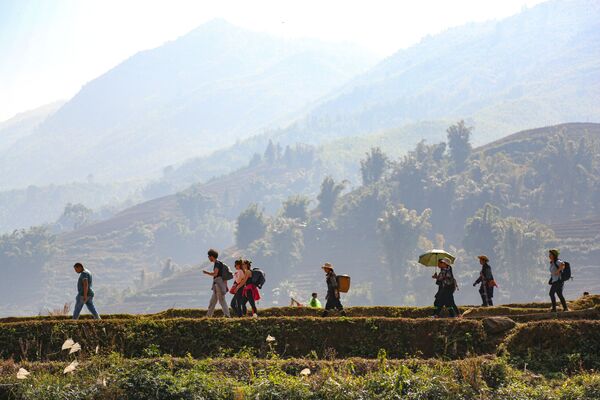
(85,290)
(477,281)
(559,268)
(213,274)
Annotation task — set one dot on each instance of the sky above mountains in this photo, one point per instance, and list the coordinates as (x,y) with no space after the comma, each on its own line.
(50,49)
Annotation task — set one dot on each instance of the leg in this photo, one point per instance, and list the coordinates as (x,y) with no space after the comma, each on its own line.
(78,306)
(221,297)
(234,305)
(212,303)
(552,297)
(483,297)
(559,293)
(250,298)
(490,295)
(90,306)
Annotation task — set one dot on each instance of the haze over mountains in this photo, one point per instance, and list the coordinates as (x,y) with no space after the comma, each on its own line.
(203,91)
(540,67)
(225,118)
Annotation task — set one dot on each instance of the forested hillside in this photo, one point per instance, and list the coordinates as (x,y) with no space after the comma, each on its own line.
(491,200)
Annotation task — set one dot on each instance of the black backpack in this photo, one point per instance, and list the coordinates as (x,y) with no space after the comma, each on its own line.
(258,277)
(565,274)
(225,272)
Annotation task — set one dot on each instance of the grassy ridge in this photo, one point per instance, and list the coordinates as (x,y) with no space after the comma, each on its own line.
(513,310)
(296,337)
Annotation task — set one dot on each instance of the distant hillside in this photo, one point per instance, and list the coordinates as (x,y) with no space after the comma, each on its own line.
(510,173)
(24,124)
(203,91)
(537,68)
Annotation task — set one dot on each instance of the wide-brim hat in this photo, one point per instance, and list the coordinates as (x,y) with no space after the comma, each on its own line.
(446,261)
(483,257)
(327,266)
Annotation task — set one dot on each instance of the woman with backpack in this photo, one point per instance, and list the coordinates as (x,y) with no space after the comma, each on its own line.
(239,283)
(556,282)
(446,287)
(250,292)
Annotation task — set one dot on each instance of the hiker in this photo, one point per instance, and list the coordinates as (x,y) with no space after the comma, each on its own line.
(239,283)
(85,293)
(314,302)
(556,282)
(333,294)
(250,292)
(446,287)
(219,285)
(486,279)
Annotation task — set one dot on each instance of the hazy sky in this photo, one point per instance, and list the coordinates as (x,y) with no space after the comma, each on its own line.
(50,48)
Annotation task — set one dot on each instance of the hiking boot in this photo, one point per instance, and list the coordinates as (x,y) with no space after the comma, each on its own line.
(254,315)
(553,310)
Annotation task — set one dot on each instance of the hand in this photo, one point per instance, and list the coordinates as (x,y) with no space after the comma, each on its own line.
(85,299)
(337,294)
(475,284)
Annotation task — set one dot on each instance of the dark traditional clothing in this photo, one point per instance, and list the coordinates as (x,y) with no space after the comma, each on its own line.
(486,289)
(445,294)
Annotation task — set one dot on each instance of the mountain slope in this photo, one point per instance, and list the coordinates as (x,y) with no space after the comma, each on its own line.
(537,68)
(23,124)
(191,96)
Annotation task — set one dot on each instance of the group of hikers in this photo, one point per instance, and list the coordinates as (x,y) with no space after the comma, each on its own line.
(248,281)
(560,272)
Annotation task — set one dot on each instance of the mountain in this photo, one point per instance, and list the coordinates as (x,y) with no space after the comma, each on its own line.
(537,68)
(191,96)
(23,124)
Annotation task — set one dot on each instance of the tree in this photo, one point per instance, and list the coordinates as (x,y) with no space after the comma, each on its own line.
(195,204)
(459,136)
(74,217)
(399,230)
(270,155)
(479,231)
(374,166)
(296,207)
(516,247)
(330,191)
(251,226)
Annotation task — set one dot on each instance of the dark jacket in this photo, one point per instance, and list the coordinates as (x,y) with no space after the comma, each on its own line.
(485,275)
(331,280)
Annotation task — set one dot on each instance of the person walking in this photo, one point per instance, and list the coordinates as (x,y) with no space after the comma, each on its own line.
(250,292)
(333,294)
(486,281)
(219,285)
(446,287)
(85,293)
(239,283)
(556,283)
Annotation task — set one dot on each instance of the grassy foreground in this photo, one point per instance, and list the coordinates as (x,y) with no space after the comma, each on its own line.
(114,377)
(511,352)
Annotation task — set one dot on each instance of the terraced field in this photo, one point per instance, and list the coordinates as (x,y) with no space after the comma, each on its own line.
(374,352)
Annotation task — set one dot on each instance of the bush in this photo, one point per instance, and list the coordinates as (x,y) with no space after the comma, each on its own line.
(345,337)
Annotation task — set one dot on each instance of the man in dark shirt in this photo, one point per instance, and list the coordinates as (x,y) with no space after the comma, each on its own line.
(333,294)
(85,293)
(219,287)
